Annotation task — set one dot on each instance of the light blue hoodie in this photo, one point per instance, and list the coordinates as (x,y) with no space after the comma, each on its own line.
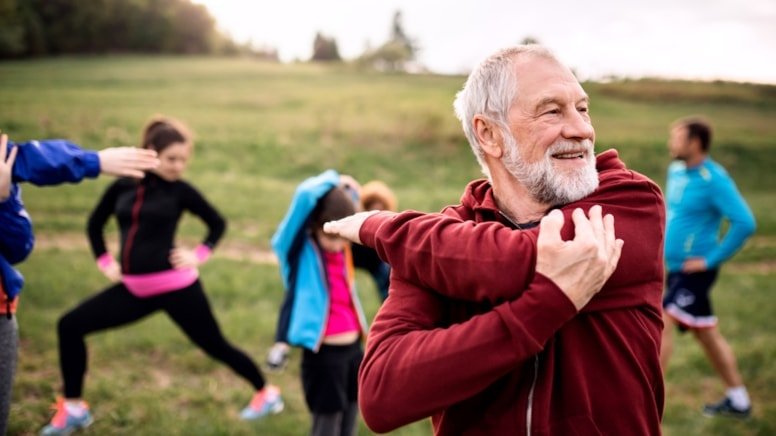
(305,312)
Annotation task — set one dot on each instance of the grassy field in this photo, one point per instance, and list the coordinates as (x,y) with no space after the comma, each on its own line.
(262,128)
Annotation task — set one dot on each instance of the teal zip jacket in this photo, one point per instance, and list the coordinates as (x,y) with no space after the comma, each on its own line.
(303,316)
(697,200)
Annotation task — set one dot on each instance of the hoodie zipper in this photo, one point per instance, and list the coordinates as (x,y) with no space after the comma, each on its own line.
(133,228)
(529,408)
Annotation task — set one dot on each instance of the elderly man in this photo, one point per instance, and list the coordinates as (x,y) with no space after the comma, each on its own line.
(483,329)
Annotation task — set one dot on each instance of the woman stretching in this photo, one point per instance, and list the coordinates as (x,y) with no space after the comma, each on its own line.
(153,275)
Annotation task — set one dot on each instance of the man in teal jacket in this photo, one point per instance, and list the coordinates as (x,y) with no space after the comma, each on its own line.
(700,195)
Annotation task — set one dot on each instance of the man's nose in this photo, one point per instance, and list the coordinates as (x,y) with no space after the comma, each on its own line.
(578,127)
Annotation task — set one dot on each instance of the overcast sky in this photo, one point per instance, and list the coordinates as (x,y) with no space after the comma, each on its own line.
(693,39)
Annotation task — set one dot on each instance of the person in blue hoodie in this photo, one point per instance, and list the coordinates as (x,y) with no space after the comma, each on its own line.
(42,163)
(699,196)
(321,312)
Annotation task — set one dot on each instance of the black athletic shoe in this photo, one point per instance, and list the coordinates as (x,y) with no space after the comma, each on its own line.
(726,408)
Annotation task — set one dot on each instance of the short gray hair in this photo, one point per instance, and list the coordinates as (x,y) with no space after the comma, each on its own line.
(490,90)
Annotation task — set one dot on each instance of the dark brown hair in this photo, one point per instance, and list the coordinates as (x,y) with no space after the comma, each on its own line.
(161,132)
(699,128)
(334,205)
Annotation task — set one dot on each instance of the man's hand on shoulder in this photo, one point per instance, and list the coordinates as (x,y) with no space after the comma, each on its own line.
(579,267)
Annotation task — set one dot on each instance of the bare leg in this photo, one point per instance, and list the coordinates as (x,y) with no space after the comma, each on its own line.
(720,354)
(667,344)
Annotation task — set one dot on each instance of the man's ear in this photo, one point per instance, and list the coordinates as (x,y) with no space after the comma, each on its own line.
(489,136)
(694,144)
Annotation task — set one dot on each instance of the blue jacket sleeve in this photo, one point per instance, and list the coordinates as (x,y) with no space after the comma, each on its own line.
(55,161)
(305,198)
(730,204)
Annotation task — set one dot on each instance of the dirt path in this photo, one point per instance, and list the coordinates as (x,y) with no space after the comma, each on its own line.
(235,250)
(228,250)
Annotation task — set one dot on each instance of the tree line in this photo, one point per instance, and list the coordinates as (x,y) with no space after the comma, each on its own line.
(51,27)
(30,28)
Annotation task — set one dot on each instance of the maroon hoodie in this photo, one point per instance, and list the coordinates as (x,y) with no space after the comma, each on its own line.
(473,337)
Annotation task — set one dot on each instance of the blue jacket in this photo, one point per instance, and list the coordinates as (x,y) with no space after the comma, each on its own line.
(304,313)
(697,200)
(41,163)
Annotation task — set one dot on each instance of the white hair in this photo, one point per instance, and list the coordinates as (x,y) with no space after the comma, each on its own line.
(490,90)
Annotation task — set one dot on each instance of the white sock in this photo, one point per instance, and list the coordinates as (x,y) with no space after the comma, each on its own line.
(76,408)
(739,397)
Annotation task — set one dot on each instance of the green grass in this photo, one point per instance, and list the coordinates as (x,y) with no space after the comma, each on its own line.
(260,129)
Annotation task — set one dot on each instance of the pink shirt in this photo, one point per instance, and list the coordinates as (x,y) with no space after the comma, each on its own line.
(342,315)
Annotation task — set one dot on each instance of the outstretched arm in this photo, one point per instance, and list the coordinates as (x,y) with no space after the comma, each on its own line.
(127,161)
(415,365)
(489,262)
(55,161)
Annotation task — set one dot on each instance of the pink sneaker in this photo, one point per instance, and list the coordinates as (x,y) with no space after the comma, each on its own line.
(264,402)
(63,423)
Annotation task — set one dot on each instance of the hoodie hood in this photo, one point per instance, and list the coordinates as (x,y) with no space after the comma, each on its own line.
(478,195)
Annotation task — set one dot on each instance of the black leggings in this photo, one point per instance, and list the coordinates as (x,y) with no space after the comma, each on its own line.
(116,306)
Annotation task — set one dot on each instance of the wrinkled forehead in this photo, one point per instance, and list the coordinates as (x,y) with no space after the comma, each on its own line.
(539,79)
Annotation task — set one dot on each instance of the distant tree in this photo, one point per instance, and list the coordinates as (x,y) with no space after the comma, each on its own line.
(32,27)
(395,54)
(529,40)
(325,49)
(11,29)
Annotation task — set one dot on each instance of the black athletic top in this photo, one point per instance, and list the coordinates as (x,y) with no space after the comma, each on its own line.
(148,212)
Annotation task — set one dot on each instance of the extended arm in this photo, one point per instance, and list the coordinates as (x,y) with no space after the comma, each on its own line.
(55,161)
(488,262)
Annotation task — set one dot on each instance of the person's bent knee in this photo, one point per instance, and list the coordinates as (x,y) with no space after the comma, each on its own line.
(68,325)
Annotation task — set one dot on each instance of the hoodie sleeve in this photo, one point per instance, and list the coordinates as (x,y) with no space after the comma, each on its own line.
(55,161)
(489,262)
(459,259)
(412,368)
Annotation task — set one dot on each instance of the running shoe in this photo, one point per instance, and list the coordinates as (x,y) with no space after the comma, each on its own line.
(63,423)
(266,401)
(726,408)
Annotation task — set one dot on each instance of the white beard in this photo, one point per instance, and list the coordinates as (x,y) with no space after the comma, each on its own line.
(545,183)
